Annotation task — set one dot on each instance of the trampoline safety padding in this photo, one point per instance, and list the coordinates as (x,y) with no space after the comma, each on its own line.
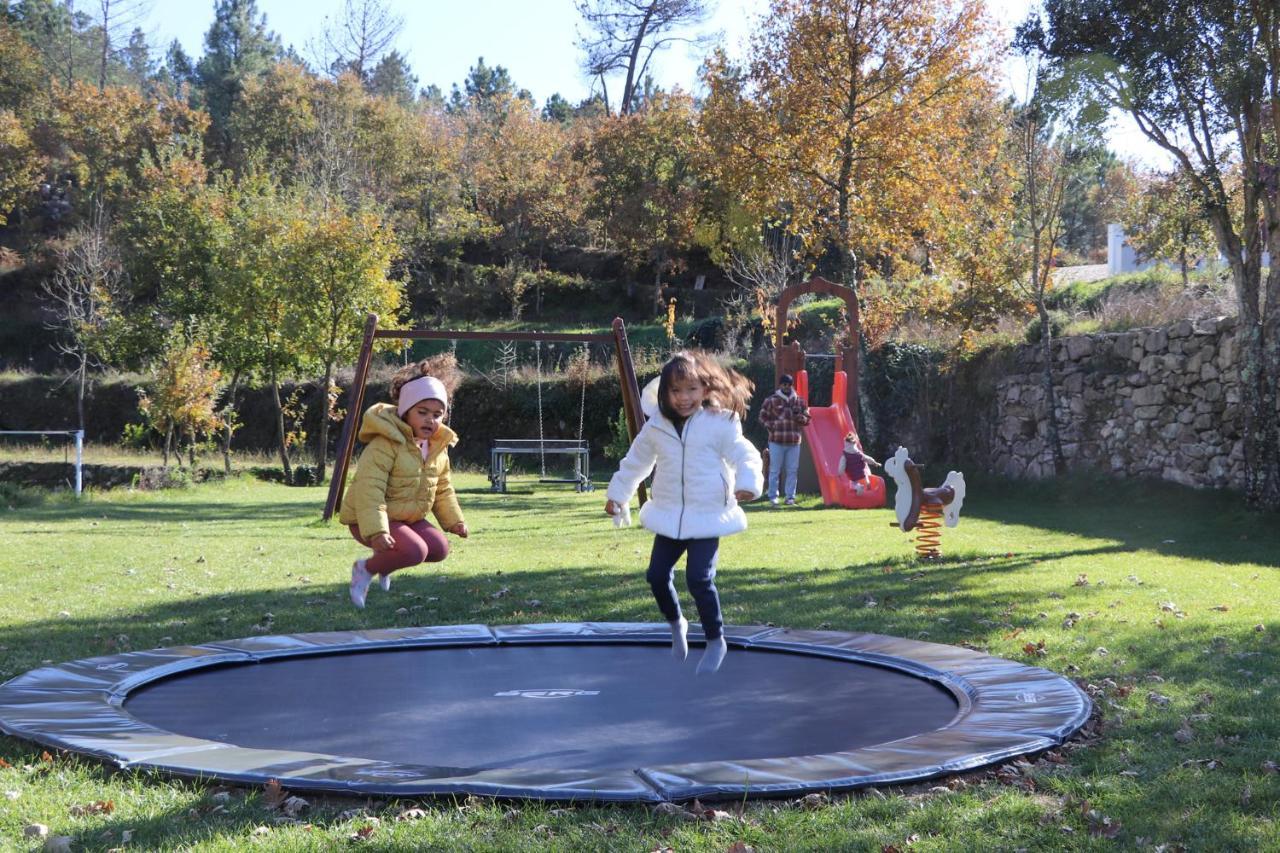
(565,711)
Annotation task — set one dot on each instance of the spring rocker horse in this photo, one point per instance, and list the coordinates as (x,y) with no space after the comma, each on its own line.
(921,508)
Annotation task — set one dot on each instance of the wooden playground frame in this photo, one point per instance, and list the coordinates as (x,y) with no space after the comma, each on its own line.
(789,357)
(355,406)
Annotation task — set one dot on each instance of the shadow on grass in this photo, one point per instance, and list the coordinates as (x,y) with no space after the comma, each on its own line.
(949,600)
(1155,516)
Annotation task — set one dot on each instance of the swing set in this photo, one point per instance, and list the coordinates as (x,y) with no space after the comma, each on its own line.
(502,449)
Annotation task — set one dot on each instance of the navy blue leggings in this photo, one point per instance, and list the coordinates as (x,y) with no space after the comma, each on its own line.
(700,574)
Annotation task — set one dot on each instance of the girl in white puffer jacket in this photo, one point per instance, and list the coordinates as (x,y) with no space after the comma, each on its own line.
(704,466)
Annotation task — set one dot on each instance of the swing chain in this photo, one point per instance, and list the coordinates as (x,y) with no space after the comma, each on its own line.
(542,442)
(582,403)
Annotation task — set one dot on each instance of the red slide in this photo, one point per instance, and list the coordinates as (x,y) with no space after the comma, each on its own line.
(825,436)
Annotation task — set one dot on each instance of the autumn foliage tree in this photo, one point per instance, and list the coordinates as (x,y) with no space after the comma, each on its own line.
(649,183)
(849,120)
(1166,220)
(179,402)
(342,265)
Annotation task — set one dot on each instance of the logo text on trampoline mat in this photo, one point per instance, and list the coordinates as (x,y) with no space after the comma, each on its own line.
(552,693)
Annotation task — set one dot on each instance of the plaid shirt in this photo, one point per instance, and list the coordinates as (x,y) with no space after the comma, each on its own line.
(784,417)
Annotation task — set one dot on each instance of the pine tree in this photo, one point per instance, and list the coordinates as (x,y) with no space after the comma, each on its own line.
(238,46)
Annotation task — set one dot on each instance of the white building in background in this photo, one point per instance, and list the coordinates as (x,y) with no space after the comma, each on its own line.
(1122,258)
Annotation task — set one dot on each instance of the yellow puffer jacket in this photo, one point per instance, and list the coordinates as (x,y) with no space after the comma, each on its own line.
(393,482)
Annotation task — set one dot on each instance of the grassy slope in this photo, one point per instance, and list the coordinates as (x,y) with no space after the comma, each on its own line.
(135,571)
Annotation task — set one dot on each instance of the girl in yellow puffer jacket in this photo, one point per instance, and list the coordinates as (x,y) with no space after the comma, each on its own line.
(403,474)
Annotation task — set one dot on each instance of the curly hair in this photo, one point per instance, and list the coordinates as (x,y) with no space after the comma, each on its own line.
(443,367)
(726,388)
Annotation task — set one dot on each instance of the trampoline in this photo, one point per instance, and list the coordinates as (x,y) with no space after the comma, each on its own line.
(564,711)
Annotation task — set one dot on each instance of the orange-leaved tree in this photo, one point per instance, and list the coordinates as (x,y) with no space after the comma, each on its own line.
(180,400)
(650,189)
(849,120)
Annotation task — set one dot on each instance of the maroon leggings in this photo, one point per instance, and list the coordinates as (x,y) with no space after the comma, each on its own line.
(415,543)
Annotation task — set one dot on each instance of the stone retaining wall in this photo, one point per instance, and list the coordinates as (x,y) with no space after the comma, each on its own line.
(1155,403)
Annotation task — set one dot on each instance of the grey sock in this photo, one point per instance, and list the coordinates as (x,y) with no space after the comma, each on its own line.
(713,656)
(679,639)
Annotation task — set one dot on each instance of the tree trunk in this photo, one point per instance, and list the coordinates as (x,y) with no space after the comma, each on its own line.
(322,452)
(1050,397)
(280,430)
(84,378)
(1269,404)
(168,443)
(628,88)
(228,412)
(1258,339)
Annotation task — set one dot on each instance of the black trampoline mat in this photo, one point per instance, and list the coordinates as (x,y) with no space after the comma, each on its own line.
(574,706)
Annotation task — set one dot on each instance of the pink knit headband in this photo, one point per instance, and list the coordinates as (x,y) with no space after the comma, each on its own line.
(423,388)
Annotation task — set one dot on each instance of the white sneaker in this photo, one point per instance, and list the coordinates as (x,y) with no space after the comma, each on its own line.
(360,580)
(773,501)
(384,581)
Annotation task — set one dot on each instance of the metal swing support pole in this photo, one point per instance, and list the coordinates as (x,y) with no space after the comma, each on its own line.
(355,407)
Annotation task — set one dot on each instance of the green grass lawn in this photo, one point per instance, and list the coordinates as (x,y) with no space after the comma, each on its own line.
(1162,602)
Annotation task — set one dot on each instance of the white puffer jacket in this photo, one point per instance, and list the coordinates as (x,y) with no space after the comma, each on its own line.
(698,470)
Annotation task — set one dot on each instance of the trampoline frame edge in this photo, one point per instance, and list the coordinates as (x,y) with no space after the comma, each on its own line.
(986,688)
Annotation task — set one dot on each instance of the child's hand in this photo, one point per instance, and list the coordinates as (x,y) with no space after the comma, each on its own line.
(743,495)
(610,508)
(382,542)
(459,529)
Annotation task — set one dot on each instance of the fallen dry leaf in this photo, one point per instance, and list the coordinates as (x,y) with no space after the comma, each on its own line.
(1101,826)
(708,813)
(273,796)
(293,806)
(813,801)
(411,814)
(673,810)
(99,807)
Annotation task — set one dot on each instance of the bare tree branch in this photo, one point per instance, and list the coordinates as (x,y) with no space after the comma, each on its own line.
(115,19)
(618,32)
(362,31)
(81,295)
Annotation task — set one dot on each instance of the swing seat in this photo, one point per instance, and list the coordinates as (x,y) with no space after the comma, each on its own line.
(501,450)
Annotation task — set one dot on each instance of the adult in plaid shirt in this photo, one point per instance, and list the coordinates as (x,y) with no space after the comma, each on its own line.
(784,415)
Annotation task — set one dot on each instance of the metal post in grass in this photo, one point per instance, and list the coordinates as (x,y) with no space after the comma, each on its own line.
(76,434)
(79,434)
